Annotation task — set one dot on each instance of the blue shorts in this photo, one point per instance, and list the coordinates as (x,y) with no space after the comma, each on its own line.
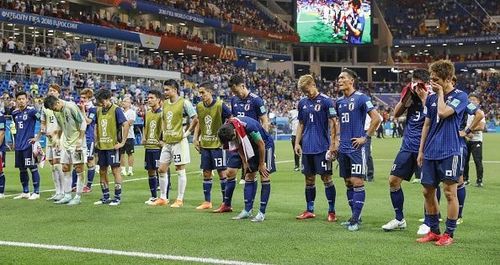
(405,165)
(353,164)
(253,163)
(2,162)
(464,150)
(436,171)
(233,159)
(316,164)
(213,159)
(25,159)
(108,158)
(152,159)
(90,150)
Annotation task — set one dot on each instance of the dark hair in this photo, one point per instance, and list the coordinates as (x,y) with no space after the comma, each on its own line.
(356,3)
(207,85)
(226,133)
(56,87)
(421,74)
(102,94)
(156,93)
(49,102)
(235,80)
(351,73)
(21,93)
(172,83)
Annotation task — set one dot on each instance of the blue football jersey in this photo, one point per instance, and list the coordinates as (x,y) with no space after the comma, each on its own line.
(443,139)
(252,106)
(414,122)
(89,132)
(471,110)
(25,121)
(314,115)
(352,113)
(251,127)
(3,127)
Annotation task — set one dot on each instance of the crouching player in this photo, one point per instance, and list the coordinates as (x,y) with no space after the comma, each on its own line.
(256,149)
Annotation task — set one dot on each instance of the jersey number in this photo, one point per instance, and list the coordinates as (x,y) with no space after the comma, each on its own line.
(356,169)
(177,158)
(241,114)
(218,162)
(20,124)
(311,117)
(345,117)
(417,116)
(325,165)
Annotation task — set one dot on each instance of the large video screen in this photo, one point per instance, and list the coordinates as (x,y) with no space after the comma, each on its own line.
(334,21)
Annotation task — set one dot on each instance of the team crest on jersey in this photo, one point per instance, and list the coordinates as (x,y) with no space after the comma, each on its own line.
(247,107)
(317,107)
(25,116)
(351,106)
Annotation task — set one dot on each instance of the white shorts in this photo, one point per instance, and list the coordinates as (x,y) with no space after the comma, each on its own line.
(178,152)
(73,157)
(52,153)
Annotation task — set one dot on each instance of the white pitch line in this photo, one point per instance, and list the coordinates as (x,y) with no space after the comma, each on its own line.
(126,253)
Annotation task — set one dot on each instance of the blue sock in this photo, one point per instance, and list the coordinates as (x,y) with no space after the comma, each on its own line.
(461,199)
(350,193)
(434,223)
(438,196)
(255,187)
(23,175)
(2,182)
(330,193)
(169,183)
(118,191)
(153,186)
(426,219)
(451,225)
(228,195)
(247,195)
(90,176)
(105,191)
(223,186)
(265,192)
(358,200)
(35,176)
(397,199)
(310,197)
(74,178)
(207,189)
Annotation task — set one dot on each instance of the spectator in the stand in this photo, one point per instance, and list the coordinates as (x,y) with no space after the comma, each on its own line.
(11,45)
(8,67)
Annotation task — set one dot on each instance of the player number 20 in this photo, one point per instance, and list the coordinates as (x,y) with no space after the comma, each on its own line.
(356,169)
(345,117)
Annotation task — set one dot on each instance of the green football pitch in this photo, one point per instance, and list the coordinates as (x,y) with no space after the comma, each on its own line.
(188,236)
(312,29)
